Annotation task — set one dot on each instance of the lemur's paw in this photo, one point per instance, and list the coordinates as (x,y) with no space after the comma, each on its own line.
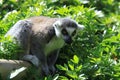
(52,69)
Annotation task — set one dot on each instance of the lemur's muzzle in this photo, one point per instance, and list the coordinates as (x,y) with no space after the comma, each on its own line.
(68,39)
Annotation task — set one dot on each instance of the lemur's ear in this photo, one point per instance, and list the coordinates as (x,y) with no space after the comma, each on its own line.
(81,27)
(57,23)
(57,27)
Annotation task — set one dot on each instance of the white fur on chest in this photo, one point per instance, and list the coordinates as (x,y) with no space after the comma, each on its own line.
(54,44)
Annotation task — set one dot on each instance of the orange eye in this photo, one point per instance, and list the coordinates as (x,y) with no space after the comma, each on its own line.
(64,32)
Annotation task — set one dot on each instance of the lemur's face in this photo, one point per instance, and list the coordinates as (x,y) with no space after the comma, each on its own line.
(67,34)
(66,29)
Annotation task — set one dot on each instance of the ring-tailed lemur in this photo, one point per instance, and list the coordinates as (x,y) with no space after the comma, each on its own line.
(41,39)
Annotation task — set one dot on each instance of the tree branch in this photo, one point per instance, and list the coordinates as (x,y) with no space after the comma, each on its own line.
(7,66)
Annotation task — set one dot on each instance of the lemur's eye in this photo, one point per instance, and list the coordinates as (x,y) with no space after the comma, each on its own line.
(74,33)
(64,32)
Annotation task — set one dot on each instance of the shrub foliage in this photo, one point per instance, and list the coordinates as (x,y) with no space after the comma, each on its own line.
(95,52)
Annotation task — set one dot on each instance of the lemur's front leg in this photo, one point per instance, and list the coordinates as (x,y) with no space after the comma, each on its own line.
(51,59)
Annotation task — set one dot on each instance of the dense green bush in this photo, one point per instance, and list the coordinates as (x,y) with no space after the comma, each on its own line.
(95,52)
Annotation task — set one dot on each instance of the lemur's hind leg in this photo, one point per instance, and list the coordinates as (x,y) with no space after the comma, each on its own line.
(32,59)
(21,33)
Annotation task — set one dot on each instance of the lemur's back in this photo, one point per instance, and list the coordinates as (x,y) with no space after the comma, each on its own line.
(42,23)
(42,27)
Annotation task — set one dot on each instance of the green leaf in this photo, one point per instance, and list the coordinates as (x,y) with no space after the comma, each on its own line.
(61,67)
(72,74)
(78,68)
(63,78)
(56,77)
(75,59)
(66,66)
(71,65)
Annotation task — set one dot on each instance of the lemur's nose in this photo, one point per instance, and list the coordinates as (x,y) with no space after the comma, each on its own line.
(68,40)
